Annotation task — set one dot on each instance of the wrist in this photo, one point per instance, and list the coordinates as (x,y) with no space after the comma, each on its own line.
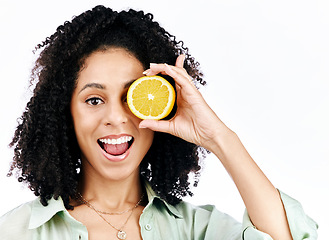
(221,141)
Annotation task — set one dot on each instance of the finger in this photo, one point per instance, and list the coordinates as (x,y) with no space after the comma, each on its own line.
(180,61)
(179,74)
(156,68)
(155,125)
(184,73)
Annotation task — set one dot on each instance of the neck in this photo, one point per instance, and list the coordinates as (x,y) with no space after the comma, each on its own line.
(111,194)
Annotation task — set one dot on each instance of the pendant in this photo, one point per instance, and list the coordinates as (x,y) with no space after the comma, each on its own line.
(122,234)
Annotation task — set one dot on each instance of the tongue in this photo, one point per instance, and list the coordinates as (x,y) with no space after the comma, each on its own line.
(116,149)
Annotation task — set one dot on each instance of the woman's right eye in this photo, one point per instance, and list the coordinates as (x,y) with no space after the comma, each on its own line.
(94,101)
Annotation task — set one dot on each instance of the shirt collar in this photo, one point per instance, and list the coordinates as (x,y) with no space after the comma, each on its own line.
(41,214)
(151,195)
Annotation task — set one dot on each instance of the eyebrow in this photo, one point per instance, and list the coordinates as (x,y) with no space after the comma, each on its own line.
(93,85)
(101,86)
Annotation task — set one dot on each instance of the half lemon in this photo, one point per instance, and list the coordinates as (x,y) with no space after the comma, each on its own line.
(151,97)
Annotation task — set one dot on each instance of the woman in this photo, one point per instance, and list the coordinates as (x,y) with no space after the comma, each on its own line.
(100,172)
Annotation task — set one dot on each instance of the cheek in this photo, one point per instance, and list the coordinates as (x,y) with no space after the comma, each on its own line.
(134,119)
(148,136)
(83,122)
(145,133)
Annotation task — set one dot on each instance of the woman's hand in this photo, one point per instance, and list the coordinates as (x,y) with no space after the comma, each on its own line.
(194,120)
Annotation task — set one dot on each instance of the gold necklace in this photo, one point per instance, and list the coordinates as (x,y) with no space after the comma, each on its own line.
(110,213)
(121,234)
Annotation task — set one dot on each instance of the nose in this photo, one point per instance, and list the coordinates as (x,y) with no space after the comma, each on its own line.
(116,114)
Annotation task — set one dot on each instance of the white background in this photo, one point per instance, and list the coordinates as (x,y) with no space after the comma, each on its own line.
(267,67)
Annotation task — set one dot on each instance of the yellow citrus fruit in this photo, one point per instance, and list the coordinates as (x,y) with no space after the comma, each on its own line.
(151,97)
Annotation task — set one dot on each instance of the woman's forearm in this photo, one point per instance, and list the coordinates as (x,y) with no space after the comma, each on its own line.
(261,198)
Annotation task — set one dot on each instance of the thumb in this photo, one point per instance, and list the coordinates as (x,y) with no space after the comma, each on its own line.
(156,125)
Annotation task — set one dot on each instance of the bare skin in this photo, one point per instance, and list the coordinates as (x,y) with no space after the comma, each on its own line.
(99,229)
(112,187)
(109,182)
(261,198)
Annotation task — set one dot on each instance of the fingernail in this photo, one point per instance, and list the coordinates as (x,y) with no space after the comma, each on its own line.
(152,64)
(167,66)
(146,71)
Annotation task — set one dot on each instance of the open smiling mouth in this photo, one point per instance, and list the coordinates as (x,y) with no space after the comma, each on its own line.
(116,146)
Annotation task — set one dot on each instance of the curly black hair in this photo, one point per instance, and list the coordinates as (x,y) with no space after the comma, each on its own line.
(47,155)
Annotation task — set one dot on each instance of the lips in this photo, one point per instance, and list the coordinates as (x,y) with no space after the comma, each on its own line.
(116,145)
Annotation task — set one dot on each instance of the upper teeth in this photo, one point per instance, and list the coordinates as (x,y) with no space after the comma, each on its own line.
(120,140)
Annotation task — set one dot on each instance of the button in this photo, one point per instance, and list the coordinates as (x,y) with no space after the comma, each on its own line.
(148,227)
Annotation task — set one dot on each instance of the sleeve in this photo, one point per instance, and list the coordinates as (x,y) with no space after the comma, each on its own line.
(206,222)
(14,224)
(301,226)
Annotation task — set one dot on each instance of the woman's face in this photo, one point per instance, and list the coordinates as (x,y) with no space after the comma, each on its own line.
(112,145)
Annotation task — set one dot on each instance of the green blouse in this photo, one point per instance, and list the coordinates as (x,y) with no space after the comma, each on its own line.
(159,220)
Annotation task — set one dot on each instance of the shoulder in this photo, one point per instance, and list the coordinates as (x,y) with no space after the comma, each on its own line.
(21,213)
(15,223)
(207,222)
(204,213)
